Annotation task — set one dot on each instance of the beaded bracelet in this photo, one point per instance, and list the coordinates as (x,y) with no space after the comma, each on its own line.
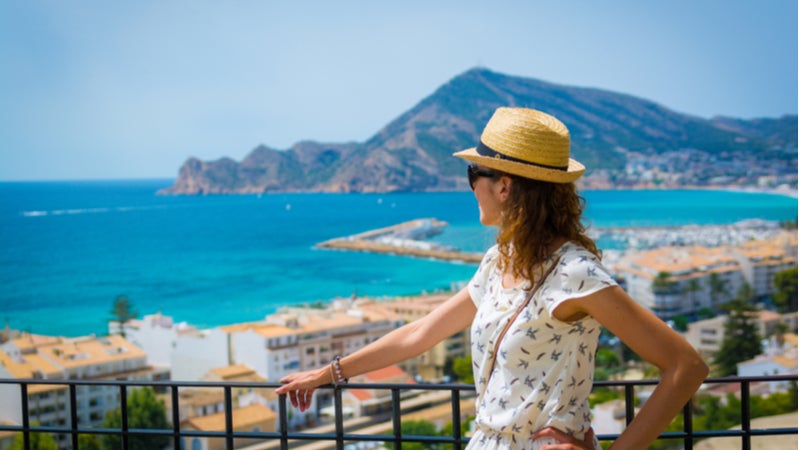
(336,372)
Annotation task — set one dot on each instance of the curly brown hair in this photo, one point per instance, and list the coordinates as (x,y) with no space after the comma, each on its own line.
(536,215)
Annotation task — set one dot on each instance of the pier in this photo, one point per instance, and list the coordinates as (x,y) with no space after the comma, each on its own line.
(405,239)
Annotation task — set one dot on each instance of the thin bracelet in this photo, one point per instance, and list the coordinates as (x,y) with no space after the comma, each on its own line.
(333,377)
(339,379)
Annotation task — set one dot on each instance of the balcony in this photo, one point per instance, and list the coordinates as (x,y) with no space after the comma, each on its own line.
(340,433)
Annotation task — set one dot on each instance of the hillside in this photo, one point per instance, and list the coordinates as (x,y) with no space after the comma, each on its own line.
(614,135)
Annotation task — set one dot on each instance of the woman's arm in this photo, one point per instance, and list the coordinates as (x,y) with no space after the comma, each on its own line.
(683,370)
(409,340)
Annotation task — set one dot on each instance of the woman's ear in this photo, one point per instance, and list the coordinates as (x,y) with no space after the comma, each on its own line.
(503,187)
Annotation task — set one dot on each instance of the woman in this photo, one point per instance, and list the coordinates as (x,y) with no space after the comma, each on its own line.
(536,305)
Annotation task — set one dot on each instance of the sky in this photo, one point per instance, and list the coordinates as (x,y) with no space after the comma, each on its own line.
(97,89)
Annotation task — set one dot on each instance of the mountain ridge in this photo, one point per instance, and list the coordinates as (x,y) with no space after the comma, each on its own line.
(413,152)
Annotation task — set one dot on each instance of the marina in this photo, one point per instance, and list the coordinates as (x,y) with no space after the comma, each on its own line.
(405,239)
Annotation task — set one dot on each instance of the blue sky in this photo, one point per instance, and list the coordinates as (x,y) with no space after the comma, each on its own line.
(96,89)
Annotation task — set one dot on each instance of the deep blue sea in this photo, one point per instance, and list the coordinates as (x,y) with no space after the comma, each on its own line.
(67,249)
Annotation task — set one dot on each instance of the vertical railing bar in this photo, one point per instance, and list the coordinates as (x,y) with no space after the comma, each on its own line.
(284,419)
(396,425)
(338,417)
(745,415)
(176,417)
(688,428)
(228,418)
(26,438)
(123,399)
(73,413)
(629,404)
(455,401)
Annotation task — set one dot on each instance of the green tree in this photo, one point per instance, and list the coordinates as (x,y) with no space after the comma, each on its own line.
(145,411)
(123,312)
(746,294)
(785,298)
(606,363)
(663,284)
(416,428)
(462,368)
(682,322)
(89,442)
(717,287)
(38,441)
(447,431)
(692,288)
(741,340)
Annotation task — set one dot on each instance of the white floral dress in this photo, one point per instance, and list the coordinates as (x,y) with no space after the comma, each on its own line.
(544,367)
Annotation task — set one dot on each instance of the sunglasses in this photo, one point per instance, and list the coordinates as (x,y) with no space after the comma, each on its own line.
(474,172)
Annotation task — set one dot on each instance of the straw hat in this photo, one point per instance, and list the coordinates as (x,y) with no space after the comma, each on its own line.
(527,143)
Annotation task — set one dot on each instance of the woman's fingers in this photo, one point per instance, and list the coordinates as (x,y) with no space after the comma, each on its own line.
(566,440)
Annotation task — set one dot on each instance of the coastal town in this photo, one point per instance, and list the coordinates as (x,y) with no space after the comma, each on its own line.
(673,271)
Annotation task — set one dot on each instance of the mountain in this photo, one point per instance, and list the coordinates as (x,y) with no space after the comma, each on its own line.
(413,152)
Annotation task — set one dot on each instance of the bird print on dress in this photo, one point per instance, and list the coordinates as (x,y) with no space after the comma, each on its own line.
(544,367)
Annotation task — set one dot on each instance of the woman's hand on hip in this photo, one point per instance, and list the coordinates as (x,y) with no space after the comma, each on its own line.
(566,442)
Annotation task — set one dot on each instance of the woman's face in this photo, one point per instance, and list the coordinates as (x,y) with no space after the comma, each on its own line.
(491,192)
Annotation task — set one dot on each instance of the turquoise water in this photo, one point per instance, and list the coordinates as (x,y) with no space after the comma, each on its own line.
(67,249)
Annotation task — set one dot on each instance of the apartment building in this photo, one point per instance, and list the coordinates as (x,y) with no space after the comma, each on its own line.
(252,418)
(673,281)
(431,364)
(778,358)
(57,358)
(203,409)
(761,261)
(707,335)
(367,402)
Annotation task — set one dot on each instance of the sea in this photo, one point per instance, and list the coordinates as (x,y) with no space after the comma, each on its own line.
(68,249)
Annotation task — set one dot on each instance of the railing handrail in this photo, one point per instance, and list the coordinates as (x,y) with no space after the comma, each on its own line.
(339,437)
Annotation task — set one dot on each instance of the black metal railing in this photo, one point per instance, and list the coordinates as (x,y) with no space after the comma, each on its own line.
(283,438)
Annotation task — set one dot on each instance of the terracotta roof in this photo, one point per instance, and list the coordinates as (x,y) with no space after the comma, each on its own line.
(244,419)
(235,371)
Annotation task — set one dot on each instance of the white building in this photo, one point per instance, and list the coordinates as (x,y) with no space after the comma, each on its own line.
(686,275)
(57,358)
(779,358)
(156,334)
(760,262)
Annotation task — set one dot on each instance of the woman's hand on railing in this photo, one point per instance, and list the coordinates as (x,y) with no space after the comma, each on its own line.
(300,386)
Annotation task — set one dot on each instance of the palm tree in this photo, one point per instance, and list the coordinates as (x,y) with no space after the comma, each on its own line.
(662,285)
(691,288)
(123,312)
(718,286)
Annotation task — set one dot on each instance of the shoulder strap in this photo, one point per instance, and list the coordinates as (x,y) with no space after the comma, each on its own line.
(525,303)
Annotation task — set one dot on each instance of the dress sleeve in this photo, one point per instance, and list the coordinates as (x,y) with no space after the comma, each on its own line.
(479,281)
(578,274)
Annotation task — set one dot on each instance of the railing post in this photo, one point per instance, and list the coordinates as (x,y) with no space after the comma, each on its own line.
(26,424)
(73,414)
(629,404)
(123,398)
(745,394)
(338,417)
(283,422)
(176,417)
(228,418)
(688,428)
(396,425)
(455,401)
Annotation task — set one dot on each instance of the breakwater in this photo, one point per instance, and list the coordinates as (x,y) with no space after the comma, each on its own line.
(406,239)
